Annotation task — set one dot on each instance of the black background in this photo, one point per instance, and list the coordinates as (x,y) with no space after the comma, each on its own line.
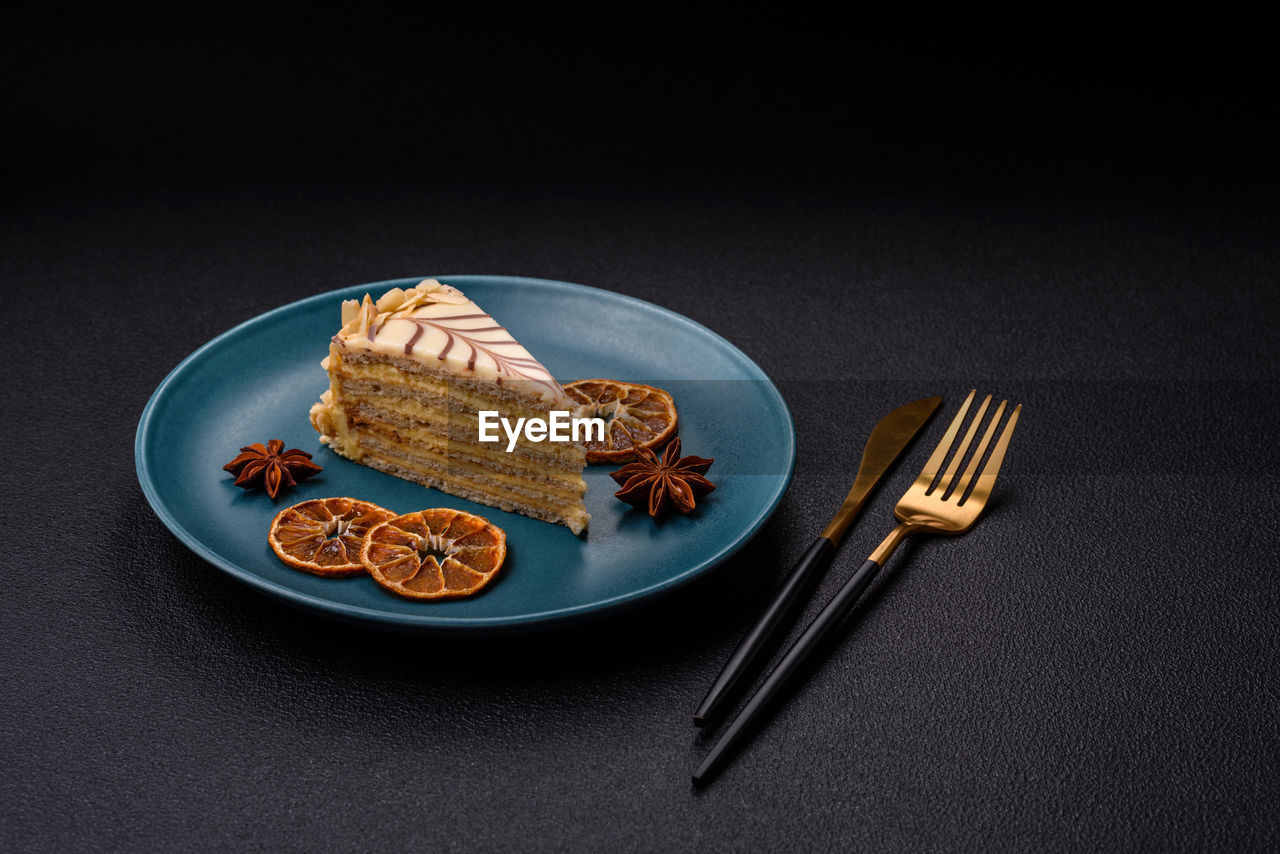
(1086,225)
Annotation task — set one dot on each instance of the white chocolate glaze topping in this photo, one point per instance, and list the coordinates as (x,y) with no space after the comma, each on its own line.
(439,326)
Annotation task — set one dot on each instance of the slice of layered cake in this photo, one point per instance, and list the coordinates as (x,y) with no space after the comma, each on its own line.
(409,376)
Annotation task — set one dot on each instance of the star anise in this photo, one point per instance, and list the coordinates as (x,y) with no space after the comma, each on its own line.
(271,467)
(657,485)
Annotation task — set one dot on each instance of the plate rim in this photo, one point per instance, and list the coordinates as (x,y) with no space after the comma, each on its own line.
(433,623)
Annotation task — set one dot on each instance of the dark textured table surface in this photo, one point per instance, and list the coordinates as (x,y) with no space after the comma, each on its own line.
(1092,668)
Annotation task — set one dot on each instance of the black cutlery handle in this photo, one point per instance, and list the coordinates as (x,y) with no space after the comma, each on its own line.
(800,651)
(790,596)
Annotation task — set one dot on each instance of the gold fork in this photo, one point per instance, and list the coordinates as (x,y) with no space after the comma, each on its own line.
(933,505)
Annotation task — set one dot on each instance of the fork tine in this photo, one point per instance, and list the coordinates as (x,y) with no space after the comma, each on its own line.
(982,449)
(940,453)
(964,446)
(987,480)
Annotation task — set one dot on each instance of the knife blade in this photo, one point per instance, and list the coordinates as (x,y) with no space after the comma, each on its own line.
(887,441)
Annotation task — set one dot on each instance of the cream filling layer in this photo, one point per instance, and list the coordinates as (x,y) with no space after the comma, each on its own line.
(484,480)
(414,420)
(411,438)
(570,486)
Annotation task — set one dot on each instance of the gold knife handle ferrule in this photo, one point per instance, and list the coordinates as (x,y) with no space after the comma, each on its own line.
(849,510)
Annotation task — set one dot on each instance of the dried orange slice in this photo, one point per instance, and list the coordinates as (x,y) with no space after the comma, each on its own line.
(323,536)
(641,413)
(434,554)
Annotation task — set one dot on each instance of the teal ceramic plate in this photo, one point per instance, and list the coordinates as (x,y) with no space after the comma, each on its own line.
(257,381)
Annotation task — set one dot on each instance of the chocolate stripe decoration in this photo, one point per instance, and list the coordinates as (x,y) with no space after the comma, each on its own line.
(413,339)
(516,367)
(500,360)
